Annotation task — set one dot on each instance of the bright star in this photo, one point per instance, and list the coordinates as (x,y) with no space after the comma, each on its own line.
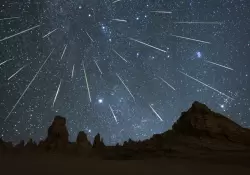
(100,101)
(198,54)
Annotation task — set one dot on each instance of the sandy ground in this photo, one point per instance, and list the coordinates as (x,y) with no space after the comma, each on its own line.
(73,165)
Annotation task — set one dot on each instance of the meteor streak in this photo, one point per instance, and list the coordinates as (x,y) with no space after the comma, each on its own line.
(17,72)
(57,92)
(218,65)
(125,86)
(120,56)
(191,39)
(65,47)
(120,20)
(28,86)
(2,63)
(167,83)
(86,79)
(116,1)
(72,72)
(162,12)
(148,45)
(206,85)
(155,112)
(98,66)
(112,111)
(49,33)
(89,37)
(191,22)
(19,33)
(3,19)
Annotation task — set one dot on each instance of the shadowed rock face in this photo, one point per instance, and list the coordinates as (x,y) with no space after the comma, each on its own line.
(200,121)
(82,140)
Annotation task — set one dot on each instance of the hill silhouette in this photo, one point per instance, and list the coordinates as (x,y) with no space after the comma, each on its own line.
(199,134)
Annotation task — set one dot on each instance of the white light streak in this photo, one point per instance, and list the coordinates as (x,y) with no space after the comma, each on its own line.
(112,111)
(57,92)
(3,19)
(148,45)
(218,65)
(206,85)
(167,83)
(156,112)
(120,56)
(198,22)
(19,33)
(17,72)
(72,72)
(86,79)
(125,86)
(120,20)
(64,50)
(98,66)
(49,33)
(2,63)
(191,39)
(89,37)
(162,12)
(28,86)
(116,1)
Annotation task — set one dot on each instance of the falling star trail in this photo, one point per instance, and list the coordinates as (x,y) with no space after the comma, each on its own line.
(48,34)
(2,63)
(162,12)
(64,50)
(116,1)
(218,65)
(72,72)
(206,85)
(167,83)
(19,70)
(3,19)
(156,112)
(57,92)
(186,38)
(120,56)
(86,80)
(120,20)
(125,86)
(33,79)
(112,111)
(147,45)
(19,33)
(213,23)
(98,67)
(89,37)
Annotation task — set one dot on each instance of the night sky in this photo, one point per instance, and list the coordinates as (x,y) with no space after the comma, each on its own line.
(124,69)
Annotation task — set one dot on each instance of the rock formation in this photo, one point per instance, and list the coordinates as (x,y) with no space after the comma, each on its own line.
(98,142)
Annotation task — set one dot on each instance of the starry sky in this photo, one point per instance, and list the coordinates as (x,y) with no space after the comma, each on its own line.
(121,68)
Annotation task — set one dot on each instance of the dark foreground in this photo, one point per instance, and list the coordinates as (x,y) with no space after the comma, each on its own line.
(76,165)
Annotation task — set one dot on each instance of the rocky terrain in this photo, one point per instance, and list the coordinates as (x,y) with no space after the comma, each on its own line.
(200,137)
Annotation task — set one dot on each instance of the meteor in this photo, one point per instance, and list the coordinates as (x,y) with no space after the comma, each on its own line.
(190,22)
(147,45)
(116,1)
(49,33)
(3,19)
(120,20)
(218,65)
(2,63)
(89,37)
(86,79)
(72,72)
(156,112)
(65,47)
(19,33)
(33,79)
(17,72)
(206,85)
(112,111)
(167,83)
(98,66)
(58,89)
(120,56)
(125,86)
(191,39)
(162,12)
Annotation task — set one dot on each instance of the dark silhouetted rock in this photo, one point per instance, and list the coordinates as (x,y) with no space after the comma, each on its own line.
(30,145)
(82,140)
(98,142)
(20,145)
(200,121)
